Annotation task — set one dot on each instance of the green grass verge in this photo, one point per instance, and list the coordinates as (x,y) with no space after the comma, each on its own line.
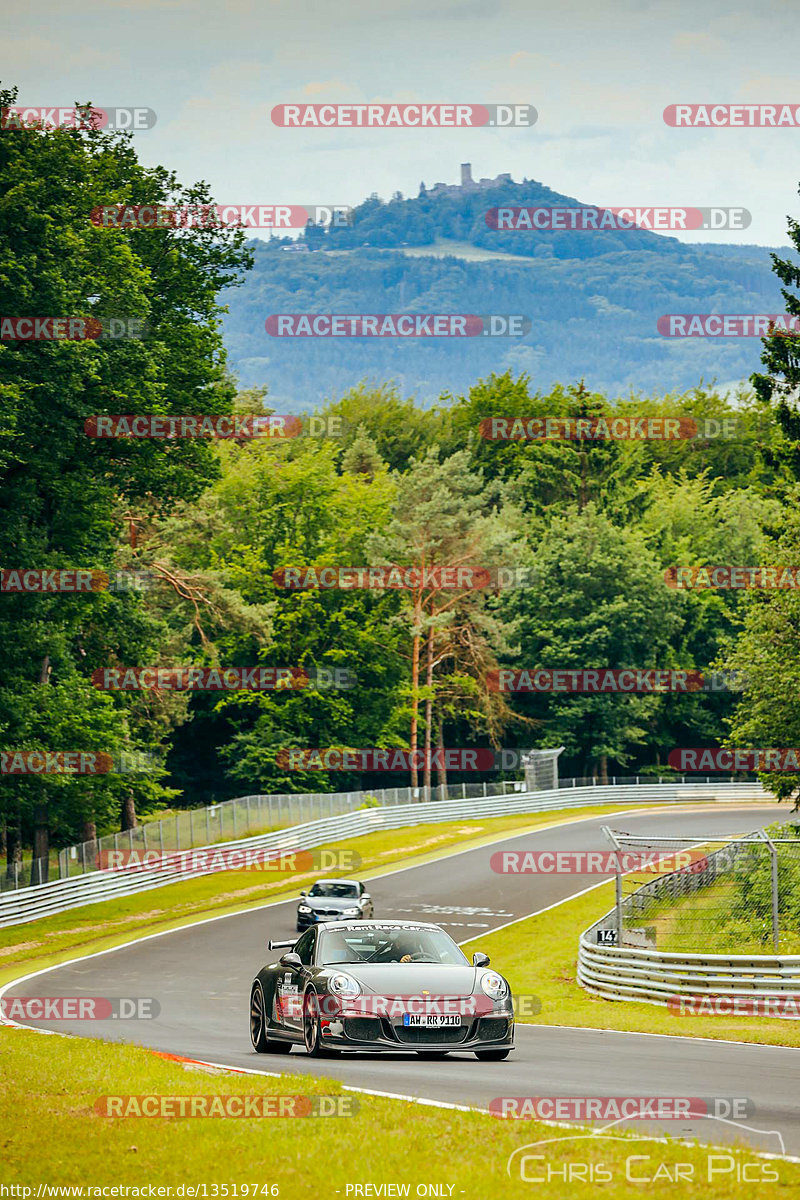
(99,926)
(539,957)
(52,1134)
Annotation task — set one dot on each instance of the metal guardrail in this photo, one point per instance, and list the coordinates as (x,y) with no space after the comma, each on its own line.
(246,816)
(29,904)
(650,976)
(653,976)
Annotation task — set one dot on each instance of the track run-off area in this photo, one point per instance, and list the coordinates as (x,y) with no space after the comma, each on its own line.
(201,974)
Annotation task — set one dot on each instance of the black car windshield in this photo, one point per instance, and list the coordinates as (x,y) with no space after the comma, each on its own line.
(387,944)
(342,891)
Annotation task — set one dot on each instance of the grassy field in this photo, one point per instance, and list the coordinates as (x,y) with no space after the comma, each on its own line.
(99,926)
(52,1133)
(539,957)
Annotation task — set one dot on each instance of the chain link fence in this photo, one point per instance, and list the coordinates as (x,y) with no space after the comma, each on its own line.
(190,829)
(245,816)
(720,895)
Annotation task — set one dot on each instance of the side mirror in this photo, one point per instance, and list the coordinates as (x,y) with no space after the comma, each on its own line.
(291,960)
(366,896)
(478,959)
(302,893)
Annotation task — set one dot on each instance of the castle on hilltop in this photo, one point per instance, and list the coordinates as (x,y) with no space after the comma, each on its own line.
(467,183)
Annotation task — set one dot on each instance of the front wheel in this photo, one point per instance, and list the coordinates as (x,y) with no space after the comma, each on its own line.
(312,1028)
(258,1026)
(492,1055)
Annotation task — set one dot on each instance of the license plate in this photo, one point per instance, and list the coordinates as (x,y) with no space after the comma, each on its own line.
(430,1020)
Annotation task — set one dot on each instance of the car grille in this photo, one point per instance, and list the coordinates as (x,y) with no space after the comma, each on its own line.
(492,1027)
(363,1029)
(419,1035)
(328,912)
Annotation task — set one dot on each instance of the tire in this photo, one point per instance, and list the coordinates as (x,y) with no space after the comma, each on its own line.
(312,1030)
(431,1053)
(493,1055)
(258,1035)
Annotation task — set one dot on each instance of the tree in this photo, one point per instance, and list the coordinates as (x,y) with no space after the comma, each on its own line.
(767,653)
(67,500)
(446,517)
(598,599)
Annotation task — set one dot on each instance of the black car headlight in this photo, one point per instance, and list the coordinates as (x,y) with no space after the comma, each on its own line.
(494,985)
(344,985)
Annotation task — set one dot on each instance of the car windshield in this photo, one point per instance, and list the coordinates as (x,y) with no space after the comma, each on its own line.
(342,891)
(388,944)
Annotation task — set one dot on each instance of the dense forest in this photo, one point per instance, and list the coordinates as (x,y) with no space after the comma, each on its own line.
(593,300)
(201,526)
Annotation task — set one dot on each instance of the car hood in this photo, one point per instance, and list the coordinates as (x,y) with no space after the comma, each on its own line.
(338,902)
(404,979)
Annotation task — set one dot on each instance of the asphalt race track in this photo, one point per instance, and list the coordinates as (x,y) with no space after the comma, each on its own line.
(201,977)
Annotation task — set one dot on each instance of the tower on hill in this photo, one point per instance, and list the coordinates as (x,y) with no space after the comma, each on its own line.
(466,174)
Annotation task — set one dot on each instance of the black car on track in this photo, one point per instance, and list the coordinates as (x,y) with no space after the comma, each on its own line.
(380,986)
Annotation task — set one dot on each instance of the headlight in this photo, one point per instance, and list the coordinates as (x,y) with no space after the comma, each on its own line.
(351,912)
(303,908)
(494,985)
(344,985)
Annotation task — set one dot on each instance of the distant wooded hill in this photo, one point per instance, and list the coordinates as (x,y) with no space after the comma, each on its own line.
(593,299)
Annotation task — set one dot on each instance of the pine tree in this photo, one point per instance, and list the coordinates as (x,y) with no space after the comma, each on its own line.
(362,457)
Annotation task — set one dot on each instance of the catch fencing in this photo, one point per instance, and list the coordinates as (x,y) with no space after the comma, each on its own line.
(245,816)
(725,893)
(28,904)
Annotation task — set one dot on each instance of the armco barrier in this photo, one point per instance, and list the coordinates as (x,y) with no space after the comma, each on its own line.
(28,904)
(652,976)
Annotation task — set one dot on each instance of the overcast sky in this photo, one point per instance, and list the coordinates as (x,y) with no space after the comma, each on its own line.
(600,76)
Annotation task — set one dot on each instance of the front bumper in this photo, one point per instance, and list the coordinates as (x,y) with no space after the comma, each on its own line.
(304,920)
(493,1031)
